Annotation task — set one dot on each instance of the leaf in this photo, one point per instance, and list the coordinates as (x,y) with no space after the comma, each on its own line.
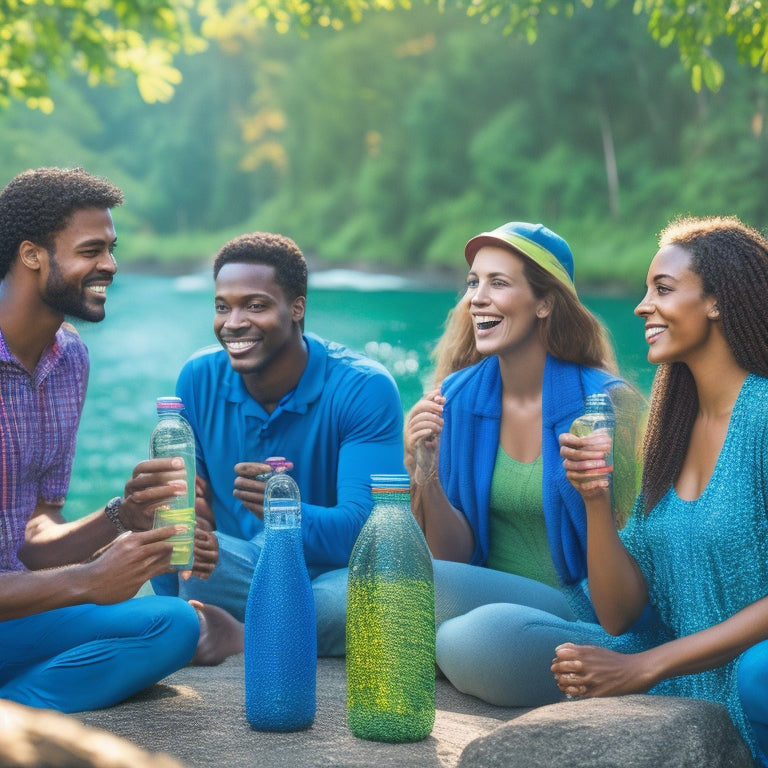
(714,74)
(696,78)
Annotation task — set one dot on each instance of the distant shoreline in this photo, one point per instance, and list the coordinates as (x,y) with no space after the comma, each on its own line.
(435,279)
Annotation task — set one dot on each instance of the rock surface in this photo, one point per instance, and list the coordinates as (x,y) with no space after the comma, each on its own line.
(195,718)
(636,731)
(41,738)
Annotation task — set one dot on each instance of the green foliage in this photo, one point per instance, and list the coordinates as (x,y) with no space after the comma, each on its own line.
(97,39)
(697,26)
(389,143)
(100,39)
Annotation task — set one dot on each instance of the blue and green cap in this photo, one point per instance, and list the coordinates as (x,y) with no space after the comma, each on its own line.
(535,241)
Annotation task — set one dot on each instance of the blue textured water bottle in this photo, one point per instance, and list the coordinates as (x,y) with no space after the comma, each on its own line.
(280,641)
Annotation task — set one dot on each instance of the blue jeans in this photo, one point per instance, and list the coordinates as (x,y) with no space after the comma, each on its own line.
(753,692)
(230,582)
(93,656)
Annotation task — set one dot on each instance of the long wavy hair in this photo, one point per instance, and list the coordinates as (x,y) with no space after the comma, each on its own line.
(570,332)
(732,261)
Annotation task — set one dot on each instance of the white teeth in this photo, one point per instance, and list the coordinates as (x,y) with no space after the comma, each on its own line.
(236,346)
(484,319)
(652,333)
(98,288)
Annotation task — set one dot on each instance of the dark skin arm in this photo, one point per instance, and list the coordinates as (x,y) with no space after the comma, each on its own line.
(616,584)
(114,574)
(588,670)
(619,595)
(51,541)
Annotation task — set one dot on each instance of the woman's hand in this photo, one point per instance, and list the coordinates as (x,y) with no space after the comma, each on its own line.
(586,671)
(422,436)
(584,462)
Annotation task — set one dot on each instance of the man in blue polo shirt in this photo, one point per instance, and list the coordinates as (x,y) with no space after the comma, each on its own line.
(275,391)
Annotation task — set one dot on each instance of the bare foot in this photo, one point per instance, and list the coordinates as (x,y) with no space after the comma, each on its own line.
(221,635)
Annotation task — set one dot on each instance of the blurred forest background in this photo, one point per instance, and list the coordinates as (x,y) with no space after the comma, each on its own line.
(388,143)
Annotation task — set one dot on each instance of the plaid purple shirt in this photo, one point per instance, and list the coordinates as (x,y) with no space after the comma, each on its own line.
(39,415)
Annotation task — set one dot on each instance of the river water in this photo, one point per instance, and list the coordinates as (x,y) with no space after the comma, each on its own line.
(154,323)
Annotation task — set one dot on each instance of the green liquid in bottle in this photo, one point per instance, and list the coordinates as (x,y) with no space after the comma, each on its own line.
(183,543)
(390,680)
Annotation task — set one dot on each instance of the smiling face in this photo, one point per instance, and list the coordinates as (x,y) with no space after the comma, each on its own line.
(679,316)
(254,321)
(505,312)
(81,266)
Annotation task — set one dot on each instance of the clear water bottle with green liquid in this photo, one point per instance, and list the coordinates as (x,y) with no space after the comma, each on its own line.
(391,622)
(598,415)
(173,436)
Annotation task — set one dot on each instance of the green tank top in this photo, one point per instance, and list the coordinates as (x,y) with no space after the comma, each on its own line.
(518,535)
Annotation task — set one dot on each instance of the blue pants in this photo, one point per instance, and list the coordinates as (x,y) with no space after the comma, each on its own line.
(753,692)
(93,656)
(497,634)
(230,582)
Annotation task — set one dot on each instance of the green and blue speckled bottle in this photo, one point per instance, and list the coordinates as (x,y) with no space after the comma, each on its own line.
(391,622)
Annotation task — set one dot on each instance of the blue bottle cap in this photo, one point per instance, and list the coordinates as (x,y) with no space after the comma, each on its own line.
(391,481)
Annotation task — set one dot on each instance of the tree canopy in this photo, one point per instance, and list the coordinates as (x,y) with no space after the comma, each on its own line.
(96,38)
(103,38)
(391,141)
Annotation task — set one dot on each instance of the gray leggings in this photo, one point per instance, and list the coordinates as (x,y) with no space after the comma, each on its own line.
(497,633)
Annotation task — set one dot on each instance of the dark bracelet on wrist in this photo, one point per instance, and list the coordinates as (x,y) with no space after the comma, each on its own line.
(112,511)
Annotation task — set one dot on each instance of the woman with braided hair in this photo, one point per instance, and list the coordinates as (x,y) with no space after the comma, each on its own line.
(696,544)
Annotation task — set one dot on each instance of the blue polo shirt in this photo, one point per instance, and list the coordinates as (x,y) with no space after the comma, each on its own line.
(342,423)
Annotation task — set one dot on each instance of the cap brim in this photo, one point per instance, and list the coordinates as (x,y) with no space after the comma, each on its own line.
(520,244)
(486,238)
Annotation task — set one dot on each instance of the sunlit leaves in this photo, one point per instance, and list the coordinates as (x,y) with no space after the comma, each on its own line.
(98,39)
(695,26)
(102,38)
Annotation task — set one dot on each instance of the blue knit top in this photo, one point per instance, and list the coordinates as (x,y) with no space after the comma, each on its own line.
(704,560)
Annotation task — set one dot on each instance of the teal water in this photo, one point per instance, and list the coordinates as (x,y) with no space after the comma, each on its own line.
(154,323)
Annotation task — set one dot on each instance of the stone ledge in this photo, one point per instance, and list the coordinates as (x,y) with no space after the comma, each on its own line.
(638,731)
(195,718)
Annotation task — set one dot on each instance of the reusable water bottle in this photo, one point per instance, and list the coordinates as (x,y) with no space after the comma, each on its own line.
(598,414)
(172,436)
(280,641)
(391,622)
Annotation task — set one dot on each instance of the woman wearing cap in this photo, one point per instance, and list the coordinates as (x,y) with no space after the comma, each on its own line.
(696,544)
(488,488)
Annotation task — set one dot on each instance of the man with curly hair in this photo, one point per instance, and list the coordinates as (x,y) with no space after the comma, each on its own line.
(71,639)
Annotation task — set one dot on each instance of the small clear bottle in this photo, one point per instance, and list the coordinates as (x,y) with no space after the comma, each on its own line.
(280,635)
(598,415)
(173,436)
(391,622)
